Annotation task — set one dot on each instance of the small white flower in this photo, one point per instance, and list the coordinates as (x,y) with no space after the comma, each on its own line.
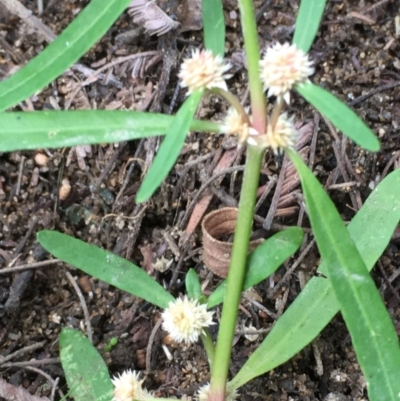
(128,387)
(282,67)
(282,136)
(235,124)
(185,320)
(204,70)
(203,392)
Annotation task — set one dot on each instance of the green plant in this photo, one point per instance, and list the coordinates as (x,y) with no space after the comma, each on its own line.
(348,253)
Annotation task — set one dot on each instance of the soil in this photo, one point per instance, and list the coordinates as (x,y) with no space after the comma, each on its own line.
(88,192)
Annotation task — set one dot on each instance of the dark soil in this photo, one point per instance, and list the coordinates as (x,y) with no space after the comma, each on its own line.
(357,55)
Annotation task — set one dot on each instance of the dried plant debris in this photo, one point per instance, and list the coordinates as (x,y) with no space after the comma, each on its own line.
(147,14)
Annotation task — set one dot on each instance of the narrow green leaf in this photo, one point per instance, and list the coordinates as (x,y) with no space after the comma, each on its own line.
(372,331)
(264,261)
(193,286)
(86,372)
(214,26)
(342,117)
(87,28)
(56,129)
(105,266)
(371,230)
(170,148)
(307,23)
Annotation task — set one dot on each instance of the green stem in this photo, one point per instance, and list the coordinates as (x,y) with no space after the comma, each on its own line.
(236,273)
(252,49)
(209,347)
(234,101)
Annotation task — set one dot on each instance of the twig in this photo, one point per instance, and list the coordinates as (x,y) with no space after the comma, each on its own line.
(29,266)
(259,306)
(389,164)
(373,92)
(83,304)
(38,362)
(286,276)
(21,351)
(150,345)
(53,382)
(15,7)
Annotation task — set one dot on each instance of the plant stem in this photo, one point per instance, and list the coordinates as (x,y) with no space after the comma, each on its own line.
(209,347)
(236,273)
(234,101)
(252,49)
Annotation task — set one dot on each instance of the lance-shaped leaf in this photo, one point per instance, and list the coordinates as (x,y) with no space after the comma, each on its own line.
(170,148)
(307,23)
(193,286)
(342,117)
(315,306)
(87,28)
(264,261)
(105,266)
(214,26)
(56,129)
(86,372)
(372,331)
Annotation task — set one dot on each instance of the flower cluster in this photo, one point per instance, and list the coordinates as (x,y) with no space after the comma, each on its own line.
(186,319)
(202,395)
(282,67)
(128,387)
(204,70)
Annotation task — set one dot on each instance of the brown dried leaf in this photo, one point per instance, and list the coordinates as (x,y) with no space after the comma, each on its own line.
(217,253)
(151,17)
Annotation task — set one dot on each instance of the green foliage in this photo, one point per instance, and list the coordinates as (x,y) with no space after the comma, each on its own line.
(170,148)
(111,344)
(88,27)
(86,373)
(56,129)
(307,23)
(264,261)
(214,26)
(340,115)
(371,230)
(193,286)
(373,334)
(105,266)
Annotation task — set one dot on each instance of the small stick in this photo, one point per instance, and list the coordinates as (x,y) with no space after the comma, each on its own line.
(291,270)
(150,345)
(29,266)
(21,351)
(39,362)
(53,382)
(83,304)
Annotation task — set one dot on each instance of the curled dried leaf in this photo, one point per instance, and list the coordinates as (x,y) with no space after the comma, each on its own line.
(151,17)
(216,253)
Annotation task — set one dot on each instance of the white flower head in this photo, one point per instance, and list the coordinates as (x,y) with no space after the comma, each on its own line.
(282,136)
(203,392)
(185,320)
(128,387)
(235,124)
(204,70)
(282,67)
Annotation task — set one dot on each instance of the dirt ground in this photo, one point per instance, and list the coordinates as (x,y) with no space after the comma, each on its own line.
(89,192)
